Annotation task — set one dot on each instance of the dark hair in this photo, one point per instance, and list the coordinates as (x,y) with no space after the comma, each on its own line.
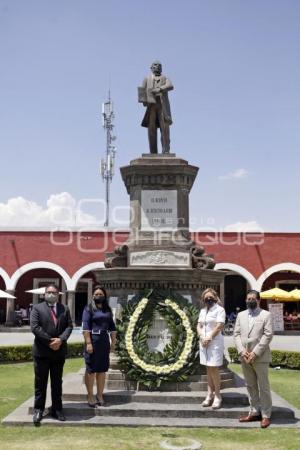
(256,293)
(105,305)
(51,285)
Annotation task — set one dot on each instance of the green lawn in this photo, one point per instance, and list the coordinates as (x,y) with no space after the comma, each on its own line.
(16,385)
(284,381)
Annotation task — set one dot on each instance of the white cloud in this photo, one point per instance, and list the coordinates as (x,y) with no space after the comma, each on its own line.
(61,211)
(237,174)
(244,226)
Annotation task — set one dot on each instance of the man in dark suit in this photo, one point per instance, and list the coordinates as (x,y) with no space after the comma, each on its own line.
(154,95)
(52,325)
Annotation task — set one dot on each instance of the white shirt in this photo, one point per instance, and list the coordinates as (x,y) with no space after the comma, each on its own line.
(252,314)
(53,308)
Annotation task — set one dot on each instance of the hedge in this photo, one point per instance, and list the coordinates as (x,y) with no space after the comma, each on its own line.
(283,358)
(22,353)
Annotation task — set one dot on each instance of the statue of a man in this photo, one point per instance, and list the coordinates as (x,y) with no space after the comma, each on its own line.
(154,95)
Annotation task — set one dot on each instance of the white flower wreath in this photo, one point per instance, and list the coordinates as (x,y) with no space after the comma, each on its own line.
(184,355)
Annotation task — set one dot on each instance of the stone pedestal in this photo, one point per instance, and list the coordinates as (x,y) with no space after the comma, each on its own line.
(159,252)
(123,282)
(159,187)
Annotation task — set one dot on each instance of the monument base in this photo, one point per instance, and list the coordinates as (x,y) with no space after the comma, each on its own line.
(122,282)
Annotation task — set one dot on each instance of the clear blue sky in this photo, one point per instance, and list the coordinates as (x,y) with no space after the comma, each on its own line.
(236,104)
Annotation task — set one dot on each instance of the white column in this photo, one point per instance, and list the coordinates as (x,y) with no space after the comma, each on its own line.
(64,295)
(222,292)
(71,304)
(10,308)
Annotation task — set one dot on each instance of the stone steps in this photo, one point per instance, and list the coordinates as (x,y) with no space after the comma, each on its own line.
(120,397)
(118,375)
(146,408)
(157,414)
(141,409)
(168,387)
(100,421)
(117,380)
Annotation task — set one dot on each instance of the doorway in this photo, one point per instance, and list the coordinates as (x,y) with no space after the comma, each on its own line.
(235,293)
(82,295)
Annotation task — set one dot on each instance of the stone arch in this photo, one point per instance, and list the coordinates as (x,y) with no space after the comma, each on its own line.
(276,268)
(239,270)
(4,275)
(83,270)
(39,265)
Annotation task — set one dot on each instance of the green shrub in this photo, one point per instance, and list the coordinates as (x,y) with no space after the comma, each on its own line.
(233,354)
(283,358)
(278,358)
(75,349)
(14,353)
(293,360)
(21,353)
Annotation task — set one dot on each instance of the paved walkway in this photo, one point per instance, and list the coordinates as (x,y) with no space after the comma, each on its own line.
(291,343)
(27,338)
(279,342)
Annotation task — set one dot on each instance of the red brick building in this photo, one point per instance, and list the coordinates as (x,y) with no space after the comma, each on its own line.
(30,259)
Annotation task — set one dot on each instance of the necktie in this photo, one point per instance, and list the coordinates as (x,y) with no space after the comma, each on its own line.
(54,317)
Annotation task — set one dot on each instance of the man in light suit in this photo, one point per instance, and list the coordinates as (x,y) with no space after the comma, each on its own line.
(52,325)
(252,335)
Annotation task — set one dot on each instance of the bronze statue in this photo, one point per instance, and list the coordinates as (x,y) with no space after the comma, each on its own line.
(154,95)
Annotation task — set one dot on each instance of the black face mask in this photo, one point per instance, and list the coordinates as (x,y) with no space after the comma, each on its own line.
(251,304)
(98,300)
(209,302)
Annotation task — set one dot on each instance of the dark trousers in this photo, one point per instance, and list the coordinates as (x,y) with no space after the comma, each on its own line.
(42,367)
(156,117)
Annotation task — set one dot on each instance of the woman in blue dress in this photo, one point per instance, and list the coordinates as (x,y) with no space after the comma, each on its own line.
(97,324)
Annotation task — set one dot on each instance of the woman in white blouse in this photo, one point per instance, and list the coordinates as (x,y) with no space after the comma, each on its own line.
(210,325)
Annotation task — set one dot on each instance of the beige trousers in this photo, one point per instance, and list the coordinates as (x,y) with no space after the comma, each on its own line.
(258,386)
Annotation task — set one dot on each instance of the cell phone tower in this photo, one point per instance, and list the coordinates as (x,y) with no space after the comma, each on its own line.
(108,163)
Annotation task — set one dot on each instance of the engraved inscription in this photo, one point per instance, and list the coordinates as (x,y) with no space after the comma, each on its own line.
(159,209)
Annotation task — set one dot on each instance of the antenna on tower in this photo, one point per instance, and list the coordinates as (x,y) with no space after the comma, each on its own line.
(108,163)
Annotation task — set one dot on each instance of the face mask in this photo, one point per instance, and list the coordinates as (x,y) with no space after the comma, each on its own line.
(98,300)
(251,304)
(51,298)
(209,302)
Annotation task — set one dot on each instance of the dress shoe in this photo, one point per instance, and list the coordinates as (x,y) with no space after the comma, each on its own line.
(208,401)
(59,415)
(250,418)
(217,403)
(37,416)
(265,422)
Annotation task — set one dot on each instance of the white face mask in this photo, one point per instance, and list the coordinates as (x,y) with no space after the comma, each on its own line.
(51,298)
